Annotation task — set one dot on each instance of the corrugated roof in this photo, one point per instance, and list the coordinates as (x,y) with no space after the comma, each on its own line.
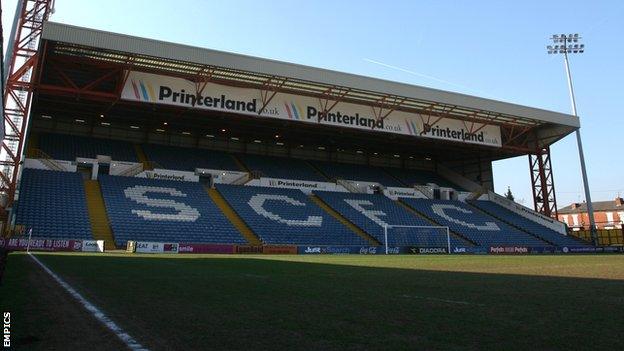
(304,78)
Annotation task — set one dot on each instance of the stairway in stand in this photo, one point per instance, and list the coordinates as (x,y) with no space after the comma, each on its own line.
(233,217)
(100,225)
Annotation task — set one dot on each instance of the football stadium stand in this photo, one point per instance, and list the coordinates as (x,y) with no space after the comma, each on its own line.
(357,172)
(471,223)
(169,157)
(286,216)
(526,224)
(53,204)
(372,212)
(411,177)
(164,211)
(68,147)
(281,167)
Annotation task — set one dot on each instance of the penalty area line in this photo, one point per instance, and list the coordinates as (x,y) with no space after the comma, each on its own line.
(457,302)
(95,312)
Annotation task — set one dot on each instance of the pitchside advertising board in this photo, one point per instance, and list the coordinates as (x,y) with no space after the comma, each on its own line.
(152,88)
(151,247)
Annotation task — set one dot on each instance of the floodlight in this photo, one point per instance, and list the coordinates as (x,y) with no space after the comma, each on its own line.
(575,49)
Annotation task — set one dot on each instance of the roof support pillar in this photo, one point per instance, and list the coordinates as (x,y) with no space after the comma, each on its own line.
(543,182)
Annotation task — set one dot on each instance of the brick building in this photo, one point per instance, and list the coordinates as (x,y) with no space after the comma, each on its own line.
(608,214)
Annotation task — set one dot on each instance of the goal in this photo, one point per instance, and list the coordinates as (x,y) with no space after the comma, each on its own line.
(417,235)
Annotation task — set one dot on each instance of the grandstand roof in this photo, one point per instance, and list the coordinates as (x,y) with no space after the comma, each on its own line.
(523,127)
(266,67)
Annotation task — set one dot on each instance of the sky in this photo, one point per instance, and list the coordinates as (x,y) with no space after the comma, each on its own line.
(493,49)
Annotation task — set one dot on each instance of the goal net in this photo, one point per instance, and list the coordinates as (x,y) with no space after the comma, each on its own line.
(432,237)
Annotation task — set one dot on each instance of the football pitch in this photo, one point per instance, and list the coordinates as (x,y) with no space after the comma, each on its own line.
(328,302)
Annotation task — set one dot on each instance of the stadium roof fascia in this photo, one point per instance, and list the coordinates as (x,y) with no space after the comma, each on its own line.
(237,69)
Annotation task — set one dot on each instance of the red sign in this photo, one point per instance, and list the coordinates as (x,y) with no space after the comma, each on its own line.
(279,250)
(41,244)
(205,248)
(509,250)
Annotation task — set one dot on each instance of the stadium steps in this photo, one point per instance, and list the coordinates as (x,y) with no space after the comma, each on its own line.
(100,225)
(233,217)
(320,203)
(241,165)
(416,213)
(318,171)
(142,157)
(517,227)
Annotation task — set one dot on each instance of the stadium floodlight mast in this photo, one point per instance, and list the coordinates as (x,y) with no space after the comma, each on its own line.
(570,44)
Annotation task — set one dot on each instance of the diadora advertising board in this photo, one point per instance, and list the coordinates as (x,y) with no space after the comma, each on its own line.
(152,88)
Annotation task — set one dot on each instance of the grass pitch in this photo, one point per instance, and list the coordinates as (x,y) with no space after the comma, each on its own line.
(322,302)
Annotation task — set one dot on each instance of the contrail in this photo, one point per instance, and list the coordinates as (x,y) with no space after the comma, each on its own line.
(428,77)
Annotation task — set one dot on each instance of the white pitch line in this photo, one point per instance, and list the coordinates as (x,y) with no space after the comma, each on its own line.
(96,312)
(442,300)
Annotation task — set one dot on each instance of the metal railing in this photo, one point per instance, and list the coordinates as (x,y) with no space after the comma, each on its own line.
(244,178)
(348,185)
(45,159)
(132,171)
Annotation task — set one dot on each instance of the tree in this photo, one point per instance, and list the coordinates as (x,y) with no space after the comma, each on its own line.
(509,195)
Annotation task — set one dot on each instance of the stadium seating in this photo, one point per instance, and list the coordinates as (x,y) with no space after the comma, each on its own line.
(68,147)
(53,204)
(286,216)
(187,159)
(164,211)
(372,212)
(281,167)
(412,177)
(357,172)
(526,224)
(472,224)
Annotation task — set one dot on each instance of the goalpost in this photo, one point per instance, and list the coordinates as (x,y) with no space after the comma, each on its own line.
(440,229)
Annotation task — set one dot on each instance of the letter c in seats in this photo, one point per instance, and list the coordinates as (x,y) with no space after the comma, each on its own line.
(257,204)
(439,209)
(373,215)
(185,213)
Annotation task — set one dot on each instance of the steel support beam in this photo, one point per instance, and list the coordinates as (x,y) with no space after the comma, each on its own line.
(543,183)
(18,93)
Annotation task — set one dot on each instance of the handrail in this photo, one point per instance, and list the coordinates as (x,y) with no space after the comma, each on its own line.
(244,178)
(475,195)
(132,171)
(425,190)
(46,159)
(347,185)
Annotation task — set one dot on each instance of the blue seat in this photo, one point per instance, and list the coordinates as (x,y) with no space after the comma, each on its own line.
(286,216)
(372,212)
(357,172)
(53,204)
(412,177)
(144,209)
(68,147)
(473,224)
(527,225)
(281,167)
(188,159)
